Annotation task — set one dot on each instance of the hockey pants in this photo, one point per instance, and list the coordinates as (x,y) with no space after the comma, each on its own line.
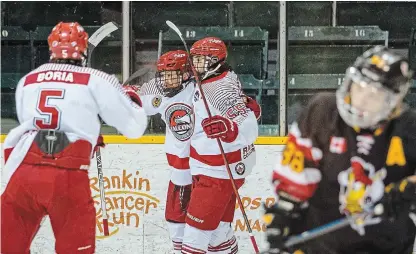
(36,191)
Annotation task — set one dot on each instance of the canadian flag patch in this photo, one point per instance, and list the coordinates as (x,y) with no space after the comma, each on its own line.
(338,145)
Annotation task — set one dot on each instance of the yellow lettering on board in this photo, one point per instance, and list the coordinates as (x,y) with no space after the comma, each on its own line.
(396,156)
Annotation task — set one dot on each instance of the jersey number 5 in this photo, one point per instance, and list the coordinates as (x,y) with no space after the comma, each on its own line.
(293,157)
(51,113)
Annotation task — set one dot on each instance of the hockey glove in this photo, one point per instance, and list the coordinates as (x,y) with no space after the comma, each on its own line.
(100,143)
(399,198)
(252,105)
(220,127)
(131,91)
(281,220)
(184,195)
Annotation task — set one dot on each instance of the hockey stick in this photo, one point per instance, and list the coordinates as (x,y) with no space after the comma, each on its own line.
(317,232)
(331,226)
(98,36)
(102,192)
(198,81)
(326,229)
(93,41)
(314,233)
(137,74)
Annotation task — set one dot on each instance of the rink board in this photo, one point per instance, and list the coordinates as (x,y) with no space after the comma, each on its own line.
(136,180)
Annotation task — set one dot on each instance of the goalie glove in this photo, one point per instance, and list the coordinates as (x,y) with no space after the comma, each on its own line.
(131,91)
(220,127)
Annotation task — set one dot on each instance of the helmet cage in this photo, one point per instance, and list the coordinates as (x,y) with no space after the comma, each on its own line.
(169,82)
(204,63)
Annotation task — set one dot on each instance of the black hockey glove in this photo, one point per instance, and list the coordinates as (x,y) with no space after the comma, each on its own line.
(399,198)
(281,219)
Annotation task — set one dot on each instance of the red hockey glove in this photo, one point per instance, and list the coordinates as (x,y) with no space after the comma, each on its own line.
(220,127)
(252,105)
(131,91)
(100,143)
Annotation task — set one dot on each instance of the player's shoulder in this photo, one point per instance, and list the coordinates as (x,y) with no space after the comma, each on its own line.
(406,123)
(223,85)
(227,77)
(320,105)
(189,87)
(319,114)
(324,101)
(231,77)
(87,74)
(150,88)
(98,74)
(405,128)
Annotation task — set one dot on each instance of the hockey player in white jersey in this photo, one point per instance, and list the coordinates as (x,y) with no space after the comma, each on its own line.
(212,204)
(170,95)
(48,154)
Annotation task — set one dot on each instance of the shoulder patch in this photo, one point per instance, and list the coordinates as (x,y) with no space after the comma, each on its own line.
(196,96)
(156,101)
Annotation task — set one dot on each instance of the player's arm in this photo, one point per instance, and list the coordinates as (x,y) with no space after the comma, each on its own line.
(116,108)
(400,197)
(235,121)
(132,92)
(297,174)
(19,100)
(151,97)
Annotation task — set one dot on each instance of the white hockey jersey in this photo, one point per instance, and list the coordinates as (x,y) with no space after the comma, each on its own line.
(176,112)
(224,96)
(69,98)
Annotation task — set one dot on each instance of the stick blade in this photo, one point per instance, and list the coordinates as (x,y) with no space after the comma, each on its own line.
(174,27)
(137,74)
(101,33)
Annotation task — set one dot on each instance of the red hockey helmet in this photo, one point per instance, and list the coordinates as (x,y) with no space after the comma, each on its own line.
(207,55)
(173,61)
(172,71)
(210,46)
(68,41)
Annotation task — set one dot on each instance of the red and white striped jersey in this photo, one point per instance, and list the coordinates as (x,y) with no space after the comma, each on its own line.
(224,96)
(69,99)
(176,112)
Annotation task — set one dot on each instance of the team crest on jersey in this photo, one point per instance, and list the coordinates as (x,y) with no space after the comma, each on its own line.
(196,96)
(179,119)
(240,168)
(157,100)
(361,187)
